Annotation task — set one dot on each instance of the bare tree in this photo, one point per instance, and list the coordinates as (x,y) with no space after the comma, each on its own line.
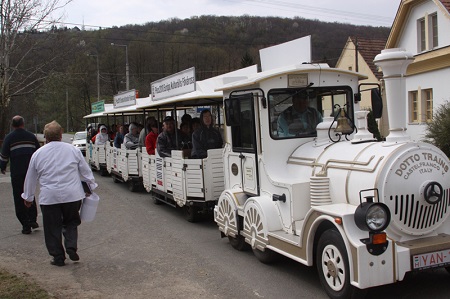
(20,72)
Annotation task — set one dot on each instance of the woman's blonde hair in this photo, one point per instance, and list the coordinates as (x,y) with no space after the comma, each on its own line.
(53,131)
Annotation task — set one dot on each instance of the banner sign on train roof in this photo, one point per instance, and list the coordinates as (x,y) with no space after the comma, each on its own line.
(126,98)
(173,85)
(98,107)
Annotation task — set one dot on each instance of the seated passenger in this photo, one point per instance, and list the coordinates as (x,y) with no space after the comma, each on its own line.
(195,124)
(150,139)
(186,135)
(144,132)
(206,137)
(118,140)
(102,136)
(131,139)
(167,139)
(299,119)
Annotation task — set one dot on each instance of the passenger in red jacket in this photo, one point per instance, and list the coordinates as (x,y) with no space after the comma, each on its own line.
(150,139)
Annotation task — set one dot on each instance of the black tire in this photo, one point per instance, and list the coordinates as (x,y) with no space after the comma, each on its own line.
(115,179)
(103,172)
(132,186)
(267,256)
(333,267)
(238,243)
(191,213)
(156,201)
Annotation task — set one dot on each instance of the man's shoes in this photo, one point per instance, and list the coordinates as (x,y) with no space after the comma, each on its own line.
(57,262)
(34,225)
(73,256)
(26,230)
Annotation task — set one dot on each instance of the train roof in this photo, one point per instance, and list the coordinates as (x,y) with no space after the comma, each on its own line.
(205,91)
(285,70)
(108,107)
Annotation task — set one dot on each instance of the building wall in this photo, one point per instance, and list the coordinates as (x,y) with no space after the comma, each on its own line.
(438,81)
(408,38)
(347,62)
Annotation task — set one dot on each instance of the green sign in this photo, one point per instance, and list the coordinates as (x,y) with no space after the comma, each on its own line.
(98,107)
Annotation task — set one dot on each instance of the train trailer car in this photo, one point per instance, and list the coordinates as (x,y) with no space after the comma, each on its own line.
(318,189)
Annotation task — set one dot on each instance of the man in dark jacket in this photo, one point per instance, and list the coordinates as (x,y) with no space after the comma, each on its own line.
(168,139)
(205,138)
(18,147)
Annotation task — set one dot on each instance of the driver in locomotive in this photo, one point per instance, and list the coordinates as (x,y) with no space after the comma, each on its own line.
(299,119)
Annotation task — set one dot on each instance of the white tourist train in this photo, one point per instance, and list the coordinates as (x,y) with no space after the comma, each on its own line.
(363,212)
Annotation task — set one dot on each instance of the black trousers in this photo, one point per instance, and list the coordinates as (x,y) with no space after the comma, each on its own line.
(24,214)
(61,220)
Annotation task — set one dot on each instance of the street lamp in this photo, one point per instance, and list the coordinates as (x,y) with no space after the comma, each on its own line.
(98,76)
(127,69)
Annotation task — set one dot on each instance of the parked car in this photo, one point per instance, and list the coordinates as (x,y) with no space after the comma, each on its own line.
(79,141)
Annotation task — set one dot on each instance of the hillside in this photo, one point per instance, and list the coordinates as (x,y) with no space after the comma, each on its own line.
(214,45)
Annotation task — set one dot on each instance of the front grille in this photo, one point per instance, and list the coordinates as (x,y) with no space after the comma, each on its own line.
(417,214)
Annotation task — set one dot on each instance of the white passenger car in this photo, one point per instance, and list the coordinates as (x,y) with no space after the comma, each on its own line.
(79,141)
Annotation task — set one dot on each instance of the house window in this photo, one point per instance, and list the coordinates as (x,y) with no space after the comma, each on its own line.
(434,31)
(428,101)
(427,32)
(414,106)
(421,106)
(421,35)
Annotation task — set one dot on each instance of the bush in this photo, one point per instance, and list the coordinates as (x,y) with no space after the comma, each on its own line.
(438,131)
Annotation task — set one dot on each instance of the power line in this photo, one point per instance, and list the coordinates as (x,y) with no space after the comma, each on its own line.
(318,11)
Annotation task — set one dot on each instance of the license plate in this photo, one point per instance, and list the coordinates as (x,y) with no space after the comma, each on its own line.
(431,260)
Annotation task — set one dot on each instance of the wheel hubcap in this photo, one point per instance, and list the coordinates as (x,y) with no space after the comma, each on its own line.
(333,267)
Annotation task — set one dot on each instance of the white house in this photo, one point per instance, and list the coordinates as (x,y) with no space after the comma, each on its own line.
(422,27)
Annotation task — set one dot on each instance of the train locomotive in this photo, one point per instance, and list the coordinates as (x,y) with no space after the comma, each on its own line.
(363,212)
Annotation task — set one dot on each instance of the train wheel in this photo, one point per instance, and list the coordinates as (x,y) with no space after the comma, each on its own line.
(255,231)
(267,256)
(238,243)
(333,267)
(191,213)
(132,186)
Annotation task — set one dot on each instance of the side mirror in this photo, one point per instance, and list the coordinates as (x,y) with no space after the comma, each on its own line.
(377,103)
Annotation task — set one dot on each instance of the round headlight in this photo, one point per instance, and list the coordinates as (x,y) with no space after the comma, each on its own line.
(372,216)
(377,217)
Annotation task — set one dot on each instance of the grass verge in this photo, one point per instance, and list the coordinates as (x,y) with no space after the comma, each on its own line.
(12,287)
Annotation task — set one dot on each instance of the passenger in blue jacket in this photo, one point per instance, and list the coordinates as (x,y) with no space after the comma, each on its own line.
(206,137)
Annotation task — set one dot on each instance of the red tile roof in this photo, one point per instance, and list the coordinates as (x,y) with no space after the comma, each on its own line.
(446,4)
(369,48)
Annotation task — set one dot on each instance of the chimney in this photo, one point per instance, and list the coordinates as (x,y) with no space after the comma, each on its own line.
(394,63)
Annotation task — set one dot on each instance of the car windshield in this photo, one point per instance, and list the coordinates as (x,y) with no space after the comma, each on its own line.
(79,136)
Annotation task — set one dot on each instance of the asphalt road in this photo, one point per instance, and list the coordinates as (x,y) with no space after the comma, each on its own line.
(136,249)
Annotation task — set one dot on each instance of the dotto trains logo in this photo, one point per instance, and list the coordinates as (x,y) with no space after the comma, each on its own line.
(422,163)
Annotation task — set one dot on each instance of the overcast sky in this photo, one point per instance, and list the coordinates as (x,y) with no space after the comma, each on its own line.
(107,13)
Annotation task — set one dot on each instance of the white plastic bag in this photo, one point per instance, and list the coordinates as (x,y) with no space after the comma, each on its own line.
(89,207)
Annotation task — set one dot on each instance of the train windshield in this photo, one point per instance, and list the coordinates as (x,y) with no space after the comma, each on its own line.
(295,113)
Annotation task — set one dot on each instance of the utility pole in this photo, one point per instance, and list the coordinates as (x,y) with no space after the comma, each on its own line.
(67,109)
(127,67)
(98,76)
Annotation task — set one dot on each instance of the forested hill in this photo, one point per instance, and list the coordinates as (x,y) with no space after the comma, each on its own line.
(214,45)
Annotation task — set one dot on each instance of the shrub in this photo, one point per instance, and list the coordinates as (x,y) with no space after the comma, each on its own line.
(438,130)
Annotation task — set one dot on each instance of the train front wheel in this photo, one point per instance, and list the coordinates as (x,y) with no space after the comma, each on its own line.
(333,267)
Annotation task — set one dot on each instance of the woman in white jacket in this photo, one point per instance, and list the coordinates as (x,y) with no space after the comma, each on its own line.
(102,136)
